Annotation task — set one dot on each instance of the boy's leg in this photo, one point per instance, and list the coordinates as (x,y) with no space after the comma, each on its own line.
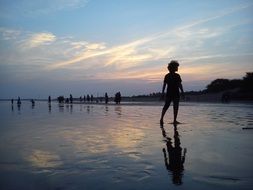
(175,109)
(165,108)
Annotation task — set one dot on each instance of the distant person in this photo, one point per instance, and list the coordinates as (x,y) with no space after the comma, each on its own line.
(61,99)
(174,83)
(49,104)
(33,103)
(91,98)
(84,98)
(19,101)
(88,98)
(12,101)
(117,98)
(106,98)
(71,98)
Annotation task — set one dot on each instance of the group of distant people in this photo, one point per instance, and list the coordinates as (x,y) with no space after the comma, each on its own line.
(70,99)
(19,102)
(89,99)
(117,98)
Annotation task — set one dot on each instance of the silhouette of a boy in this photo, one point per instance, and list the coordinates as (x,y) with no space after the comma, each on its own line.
(174,83)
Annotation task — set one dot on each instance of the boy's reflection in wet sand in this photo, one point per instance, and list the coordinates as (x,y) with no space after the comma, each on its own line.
(173,159)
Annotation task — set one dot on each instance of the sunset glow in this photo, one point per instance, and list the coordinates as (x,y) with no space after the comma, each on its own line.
(110,43)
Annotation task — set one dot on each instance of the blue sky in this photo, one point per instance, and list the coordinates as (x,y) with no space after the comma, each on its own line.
(58,47)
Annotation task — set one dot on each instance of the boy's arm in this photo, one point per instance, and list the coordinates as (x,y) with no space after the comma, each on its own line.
(164,85)
(181,88)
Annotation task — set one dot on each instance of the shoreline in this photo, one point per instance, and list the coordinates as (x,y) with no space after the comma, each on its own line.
(135,103)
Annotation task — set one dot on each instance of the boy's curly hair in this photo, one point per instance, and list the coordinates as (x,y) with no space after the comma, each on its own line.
(172,65)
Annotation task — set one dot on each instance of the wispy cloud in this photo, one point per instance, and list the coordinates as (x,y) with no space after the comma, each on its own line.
(9,34)
(141,50)
(39,39)
(217,16)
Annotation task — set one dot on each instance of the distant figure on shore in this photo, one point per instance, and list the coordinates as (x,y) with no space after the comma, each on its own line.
(84,98)
(91,98)
(88,98)
(33,103)
(174,83)
(49,104)
(71,98)
(19,101)
(60,99)
(106,98)
(175,157)
(12,101)
(117,98)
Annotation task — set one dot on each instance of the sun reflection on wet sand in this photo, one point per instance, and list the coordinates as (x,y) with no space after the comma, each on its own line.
(83,142)
(111,137)
(44,159)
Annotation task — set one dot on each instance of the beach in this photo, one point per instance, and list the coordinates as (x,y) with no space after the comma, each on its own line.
(97,146)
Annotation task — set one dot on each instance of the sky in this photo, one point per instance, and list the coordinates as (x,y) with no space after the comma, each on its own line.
(80,47)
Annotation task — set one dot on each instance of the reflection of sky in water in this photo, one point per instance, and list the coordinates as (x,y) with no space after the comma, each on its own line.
(121,146)
(44,159)
(112,138)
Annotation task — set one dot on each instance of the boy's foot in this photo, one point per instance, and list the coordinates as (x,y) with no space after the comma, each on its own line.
(176,122)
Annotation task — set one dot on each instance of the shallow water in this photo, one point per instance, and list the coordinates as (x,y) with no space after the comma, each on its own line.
(123,147)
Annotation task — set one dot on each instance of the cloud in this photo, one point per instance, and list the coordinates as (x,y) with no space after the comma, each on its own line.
(143,58)
(39,39)
(138,51)
(95,46)
(222,13)
(9,34)
(150,75)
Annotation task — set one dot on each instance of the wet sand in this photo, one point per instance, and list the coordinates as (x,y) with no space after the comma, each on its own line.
(123,147)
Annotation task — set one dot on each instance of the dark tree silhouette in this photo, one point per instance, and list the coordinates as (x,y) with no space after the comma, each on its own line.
(218,85)
(247,82)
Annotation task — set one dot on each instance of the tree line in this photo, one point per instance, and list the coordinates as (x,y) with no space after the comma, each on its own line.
(243,85)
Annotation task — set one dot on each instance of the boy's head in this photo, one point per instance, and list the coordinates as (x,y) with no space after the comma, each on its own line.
(173,66)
